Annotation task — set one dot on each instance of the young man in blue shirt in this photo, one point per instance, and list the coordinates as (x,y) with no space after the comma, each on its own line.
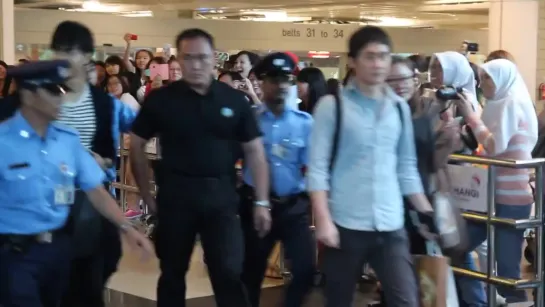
(358,204)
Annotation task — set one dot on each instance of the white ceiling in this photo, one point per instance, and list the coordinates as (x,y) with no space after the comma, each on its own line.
(406,13)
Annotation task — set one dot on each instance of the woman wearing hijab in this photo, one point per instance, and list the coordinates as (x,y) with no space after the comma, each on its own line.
(452,69)
(507,129)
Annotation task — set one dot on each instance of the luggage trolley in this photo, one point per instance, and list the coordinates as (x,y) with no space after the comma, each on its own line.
(491,279)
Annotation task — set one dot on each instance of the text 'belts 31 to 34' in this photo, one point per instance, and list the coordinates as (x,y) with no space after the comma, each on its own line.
(313,33)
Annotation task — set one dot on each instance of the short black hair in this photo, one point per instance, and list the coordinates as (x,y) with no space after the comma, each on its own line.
(192,34)
(72,35)
(235,76)
(253,57)
(365,36)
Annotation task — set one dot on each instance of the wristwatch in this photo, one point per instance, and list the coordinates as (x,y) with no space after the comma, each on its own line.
(262,203)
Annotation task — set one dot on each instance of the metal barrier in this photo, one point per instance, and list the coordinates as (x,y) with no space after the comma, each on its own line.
(122,185)
(492,221)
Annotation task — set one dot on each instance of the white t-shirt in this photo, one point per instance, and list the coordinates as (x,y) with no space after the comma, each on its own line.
(129,100)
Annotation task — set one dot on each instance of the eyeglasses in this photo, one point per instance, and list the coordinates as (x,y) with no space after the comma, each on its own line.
(400,80)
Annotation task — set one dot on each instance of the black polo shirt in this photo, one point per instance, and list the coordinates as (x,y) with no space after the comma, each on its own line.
(198,132)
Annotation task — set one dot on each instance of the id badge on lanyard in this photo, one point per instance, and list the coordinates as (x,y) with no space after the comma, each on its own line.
(65,191)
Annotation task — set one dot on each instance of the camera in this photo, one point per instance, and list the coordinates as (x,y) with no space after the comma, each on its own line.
(448,93)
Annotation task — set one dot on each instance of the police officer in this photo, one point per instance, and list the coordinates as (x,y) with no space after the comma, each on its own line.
(42,164)
(286,131)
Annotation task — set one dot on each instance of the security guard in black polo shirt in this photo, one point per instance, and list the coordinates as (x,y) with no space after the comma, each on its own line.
(286,135)
(198,119)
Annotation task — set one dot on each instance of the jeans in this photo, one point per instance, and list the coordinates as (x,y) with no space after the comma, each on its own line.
(389,256)
(508,256)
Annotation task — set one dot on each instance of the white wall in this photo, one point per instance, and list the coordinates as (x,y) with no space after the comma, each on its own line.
(37,26)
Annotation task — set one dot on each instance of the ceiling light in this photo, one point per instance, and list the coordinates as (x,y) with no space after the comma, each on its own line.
(137,14)
(91,5)
(274,16)
(97,7)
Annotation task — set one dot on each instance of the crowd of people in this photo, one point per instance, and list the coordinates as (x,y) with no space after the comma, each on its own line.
(361,160)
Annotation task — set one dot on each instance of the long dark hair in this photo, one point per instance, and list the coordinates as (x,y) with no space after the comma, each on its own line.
(7,81)
(124,84)
(317,87)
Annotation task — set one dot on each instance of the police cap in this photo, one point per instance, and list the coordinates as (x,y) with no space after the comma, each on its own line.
(38,74)
(275,64)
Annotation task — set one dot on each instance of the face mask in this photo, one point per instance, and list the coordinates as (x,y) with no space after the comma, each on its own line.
(147,73)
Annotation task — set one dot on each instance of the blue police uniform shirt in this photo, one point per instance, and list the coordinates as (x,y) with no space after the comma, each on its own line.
(33,168)
(286,139)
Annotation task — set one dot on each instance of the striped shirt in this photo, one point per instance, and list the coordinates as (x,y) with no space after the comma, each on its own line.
(80,115)
(507,131)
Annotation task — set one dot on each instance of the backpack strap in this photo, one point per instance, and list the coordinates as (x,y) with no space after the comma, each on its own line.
(337,131)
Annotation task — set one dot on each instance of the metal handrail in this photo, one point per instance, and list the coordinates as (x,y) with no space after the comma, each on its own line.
(533,163)
(498,221)
(492,221)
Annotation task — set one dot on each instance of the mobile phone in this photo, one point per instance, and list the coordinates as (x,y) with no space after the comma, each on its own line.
(159,70)
(134,37)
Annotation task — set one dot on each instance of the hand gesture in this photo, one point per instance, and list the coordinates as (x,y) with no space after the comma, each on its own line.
(248,87)
(328,234)
(464,105)
(140,242)
(262,220)
(127,38)
(157,82)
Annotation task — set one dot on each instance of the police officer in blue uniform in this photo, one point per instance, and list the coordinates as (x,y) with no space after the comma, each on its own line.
(42,164)
(286,133)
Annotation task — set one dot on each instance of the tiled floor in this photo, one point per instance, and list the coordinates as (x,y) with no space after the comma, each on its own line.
(134,285)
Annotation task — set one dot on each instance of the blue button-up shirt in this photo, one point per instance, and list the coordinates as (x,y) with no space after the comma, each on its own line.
(32,168)
(285,138)
(124,115)
(375,164)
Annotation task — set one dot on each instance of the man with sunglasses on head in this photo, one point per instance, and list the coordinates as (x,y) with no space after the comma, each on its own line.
(42,164)
(286,217)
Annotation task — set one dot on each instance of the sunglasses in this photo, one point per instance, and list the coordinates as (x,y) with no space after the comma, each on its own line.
(55,89)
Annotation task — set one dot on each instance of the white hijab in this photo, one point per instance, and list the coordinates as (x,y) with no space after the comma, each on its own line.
(458,73)
(511,98)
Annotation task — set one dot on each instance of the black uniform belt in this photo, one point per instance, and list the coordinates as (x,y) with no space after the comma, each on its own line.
(273,197)
(20,243)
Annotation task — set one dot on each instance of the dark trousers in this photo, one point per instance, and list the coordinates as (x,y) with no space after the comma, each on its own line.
(89,274)
(291,226)
(36,277)
(386,252)
(208,207)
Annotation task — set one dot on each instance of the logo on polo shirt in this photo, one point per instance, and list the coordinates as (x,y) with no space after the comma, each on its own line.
(227,112)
